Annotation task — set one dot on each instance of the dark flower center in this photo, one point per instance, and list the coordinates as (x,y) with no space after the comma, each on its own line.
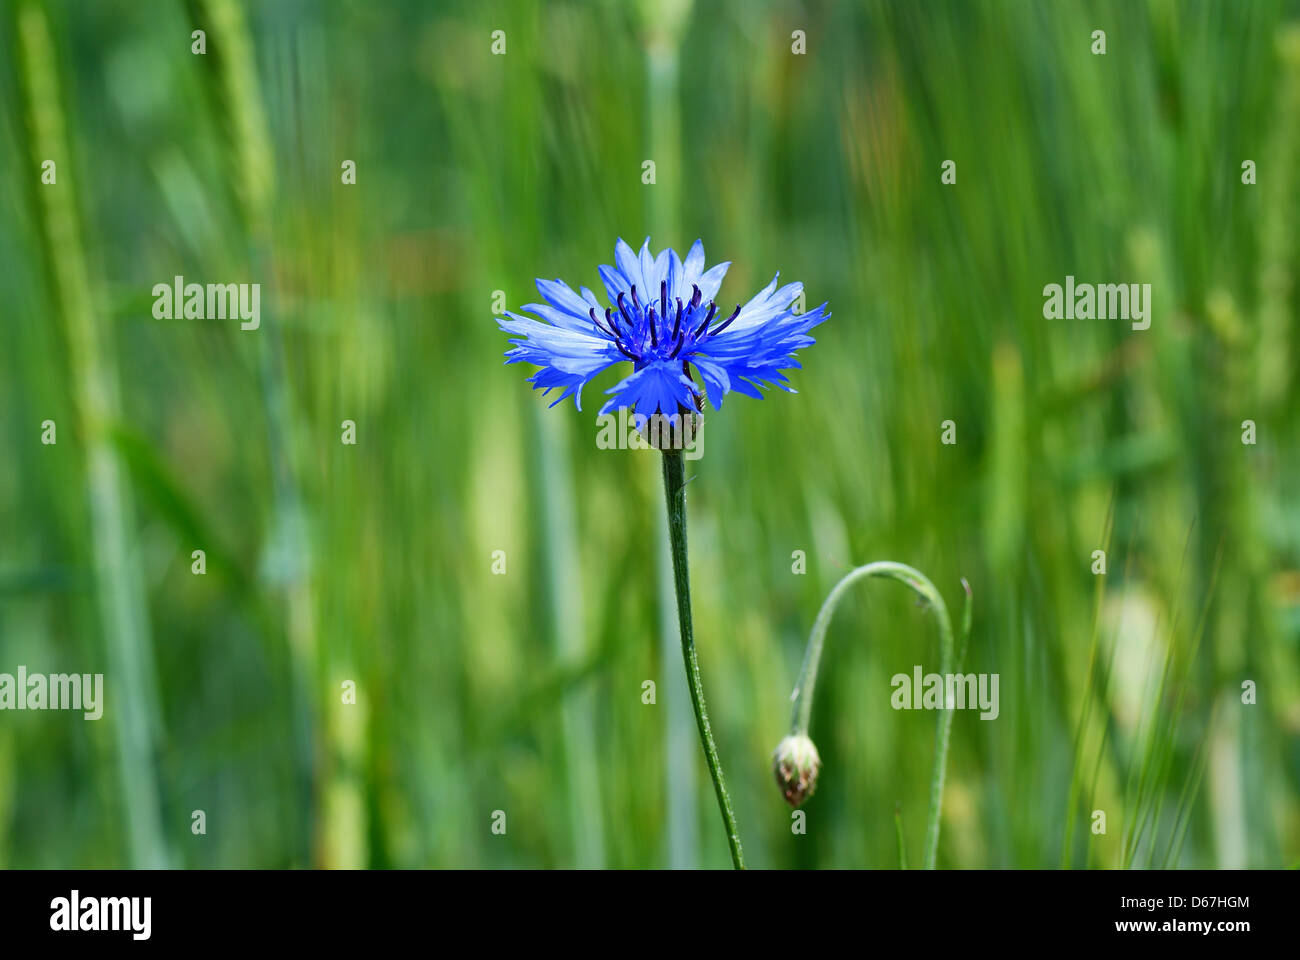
(660,330)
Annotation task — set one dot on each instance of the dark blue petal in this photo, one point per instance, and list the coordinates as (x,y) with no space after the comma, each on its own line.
(716,380)
(659,387)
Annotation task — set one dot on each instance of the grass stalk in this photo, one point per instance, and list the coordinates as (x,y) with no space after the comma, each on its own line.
(119,589)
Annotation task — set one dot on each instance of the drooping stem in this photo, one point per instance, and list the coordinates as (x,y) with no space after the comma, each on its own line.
(803,691)
(675,499)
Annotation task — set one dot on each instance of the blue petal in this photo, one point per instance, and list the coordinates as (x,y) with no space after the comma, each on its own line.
(694,264)
(716,380)
(558,294)
(710,282)
(661,271)
(754,355)
(650,276)
(659,387)
(675,274)
(615,283)
(567,359)
(561,318)
(629,265)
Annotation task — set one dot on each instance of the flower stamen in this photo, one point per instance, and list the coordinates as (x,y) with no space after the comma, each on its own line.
(726,323)
(713,308)
(623,310)
(599,326)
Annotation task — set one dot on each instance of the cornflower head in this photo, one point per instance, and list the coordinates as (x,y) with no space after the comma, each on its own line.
(663,317)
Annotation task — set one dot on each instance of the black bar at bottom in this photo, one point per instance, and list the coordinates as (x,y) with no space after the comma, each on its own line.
(336,909)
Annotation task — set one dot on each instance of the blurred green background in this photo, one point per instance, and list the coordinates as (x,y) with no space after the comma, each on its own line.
(522,692)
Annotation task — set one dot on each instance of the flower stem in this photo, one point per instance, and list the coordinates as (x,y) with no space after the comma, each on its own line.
(675,499)
(803,691)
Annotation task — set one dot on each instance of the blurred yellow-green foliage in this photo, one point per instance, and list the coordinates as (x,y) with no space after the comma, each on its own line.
(522,692)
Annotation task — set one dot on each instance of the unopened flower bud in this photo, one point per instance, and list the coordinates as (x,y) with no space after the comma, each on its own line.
(796,764)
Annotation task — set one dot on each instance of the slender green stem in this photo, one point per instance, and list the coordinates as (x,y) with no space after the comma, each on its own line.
(803,691)
(675,498)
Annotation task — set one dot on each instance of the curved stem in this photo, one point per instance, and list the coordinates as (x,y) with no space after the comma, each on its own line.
(675,498)
(803,691)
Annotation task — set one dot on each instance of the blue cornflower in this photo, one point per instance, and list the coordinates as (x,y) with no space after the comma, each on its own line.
(663,319)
